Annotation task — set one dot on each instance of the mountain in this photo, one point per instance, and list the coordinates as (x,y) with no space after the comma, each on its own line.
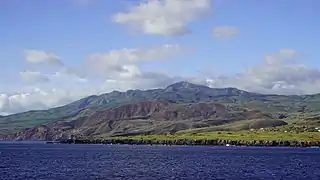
(179,94)
(151,117)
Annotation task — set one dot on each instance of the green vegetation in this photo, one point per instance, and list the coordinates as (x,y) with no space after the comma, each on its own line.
(242,138)
(240,135)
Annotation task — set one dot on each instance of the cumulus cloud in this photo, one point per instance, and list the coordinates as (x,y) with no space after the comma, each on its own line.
(34,77)
(35,99)
(116,69)
(225,32)
(283,56)
(288,53)
(44,98)
(279,73)
(164,17)
(148,80)
(42,57)
(66,76)
(124,63)
(3,104)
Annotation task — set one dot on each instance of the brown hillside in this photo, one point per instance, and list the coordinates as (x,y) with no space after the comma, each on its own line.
(147,117)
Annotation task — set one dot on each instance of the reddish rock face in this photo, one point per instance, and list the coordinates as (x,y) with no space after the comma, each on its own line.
(183,112)
(161,110)
(141,117)
(138,110)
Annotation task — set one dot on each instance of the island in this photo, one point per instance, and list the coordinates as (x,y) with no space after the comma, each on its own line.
(179,114)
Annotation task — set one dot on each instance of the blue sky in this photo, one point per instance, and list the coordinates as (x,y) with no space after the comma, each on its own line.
(75,30)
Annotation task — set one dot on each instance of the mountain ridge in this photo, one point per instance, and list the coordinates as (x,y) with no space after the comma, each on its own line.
(178,93)
(149,117)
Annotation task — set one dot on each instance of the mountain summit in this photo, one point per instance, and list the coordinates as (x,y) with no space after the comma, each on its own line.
(185,85)
(177,95)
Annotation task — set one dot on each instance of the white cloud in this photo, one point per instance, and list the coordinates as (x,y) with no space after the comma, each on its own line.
(124,63)
(42,57)
(283,56)
(278,73)
(35,99)
(145,81)
(225,32)
(164,17)
(116,69)
(3,104)
(34,77)
(68,76)
(289,53)
(44,98)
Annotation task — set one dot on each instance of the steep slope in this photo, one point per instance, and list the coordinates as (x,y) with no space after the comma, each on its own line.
(181,92)
(148,117)
(91,104)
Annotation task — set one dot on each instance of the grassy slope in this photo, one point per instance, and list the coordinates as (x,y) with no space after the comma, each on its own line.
(241,135)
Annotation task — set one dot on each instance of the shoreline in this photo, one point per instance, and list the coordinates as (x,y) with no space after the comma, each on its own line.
(241,138)
(222,138)
(186,142)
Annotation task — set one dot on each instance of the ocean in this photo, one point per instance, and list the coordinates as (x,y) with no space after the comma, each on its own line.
(37,160)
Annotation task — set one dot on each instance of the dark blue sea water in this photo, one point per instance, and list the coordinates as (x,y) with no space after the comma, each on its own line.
(50,161)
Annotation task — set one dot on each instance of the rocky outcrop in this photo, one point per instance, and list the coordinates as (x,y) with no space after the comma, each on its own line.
(45,132)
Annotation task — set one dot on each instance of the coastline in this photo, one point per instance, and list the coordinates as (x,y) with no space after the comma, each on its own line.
(216,142)
(263,139)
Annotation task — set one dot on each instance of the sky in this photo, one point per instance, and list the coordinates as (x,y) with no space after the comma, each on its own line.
(56,52)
